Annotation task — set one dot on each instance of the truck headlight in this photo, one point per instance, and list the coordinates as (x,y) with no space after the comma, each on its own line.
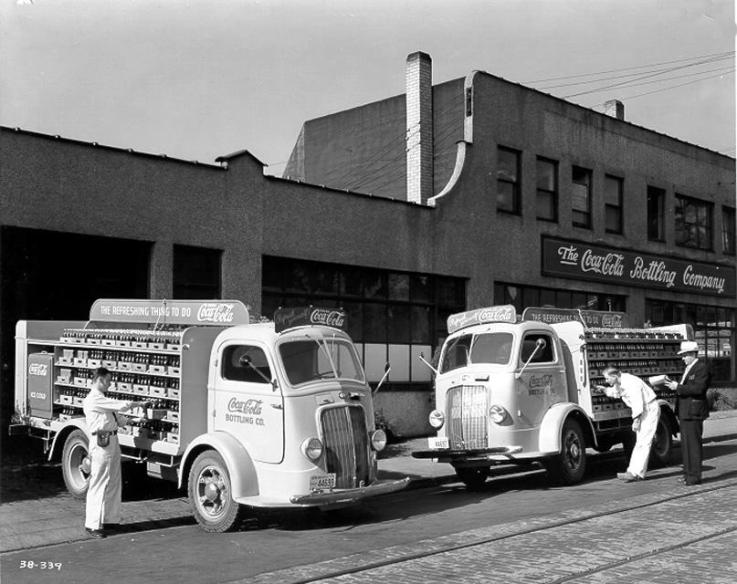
(436,419)
(497,414)
(312,448)
(378,440)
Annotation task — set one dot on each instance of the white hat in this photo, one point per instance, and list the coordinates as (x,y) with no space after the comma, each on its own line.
(689,347)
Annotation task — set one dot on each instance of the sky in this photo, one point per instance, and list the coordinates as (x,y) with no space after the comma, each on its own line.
(197,79)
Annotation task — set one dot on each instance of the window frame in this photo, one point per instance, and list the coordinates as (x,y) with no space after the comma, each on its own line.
(728,230)
(551,194)
(516,182)
(680,213)
(617,207)
(659,220)
(588,173)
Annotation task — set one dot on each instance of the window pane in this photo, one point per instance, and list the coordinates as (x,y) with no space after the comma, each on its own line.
(196,272)
(505,196)
(421,288)
(398,322)
(374,322)
(546,206)
(546,175)
(655,200)
(613,219)
(420,319)
(399,286)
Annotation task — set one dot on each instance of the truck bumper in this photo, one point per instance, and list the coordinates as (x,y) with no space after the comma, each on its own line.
(477,454)
(344,496)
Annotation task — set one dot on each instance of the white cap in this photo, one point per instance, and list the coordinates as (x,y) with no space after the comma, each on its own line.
(689,347)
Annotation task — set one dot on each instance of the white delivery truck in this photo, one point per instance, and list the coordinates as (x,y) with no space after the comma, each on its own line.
(269,414)
(512,390)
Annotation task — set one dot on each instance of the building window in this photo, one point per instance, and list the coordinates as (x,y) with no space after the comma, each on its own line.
(522,297)
(693,223)
(715,330)
(581,197)
(391,315)
(613,204)
(508,180)
(655,221)
(197,272)
(547,189)
(728,229)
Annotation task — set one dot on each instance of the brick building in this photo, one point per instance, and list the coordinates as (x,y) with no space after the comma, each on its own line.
(472,192)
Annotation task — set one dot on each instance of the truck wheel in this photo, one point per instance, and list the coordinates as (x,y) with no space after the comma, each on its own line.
(568,467)
(473,478)
(76,464)
(661,450)
(210,494)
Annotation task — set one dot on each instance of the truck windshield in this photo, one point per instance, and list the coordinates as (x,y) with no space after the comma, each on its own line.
(315,358)
(494,348)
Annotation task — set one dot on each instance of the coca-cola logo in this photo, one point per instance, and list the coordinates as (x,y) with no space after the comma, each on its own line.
(334,318)
(215,312)
(39,369)
(251,407)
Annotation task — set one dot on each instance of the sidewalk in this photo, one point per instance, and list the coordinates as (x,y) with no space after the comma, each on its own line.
(57,518)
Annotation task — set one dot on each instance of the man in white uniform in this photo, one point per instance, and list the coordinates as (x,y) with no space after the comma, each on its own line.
(105,486)
(640,398)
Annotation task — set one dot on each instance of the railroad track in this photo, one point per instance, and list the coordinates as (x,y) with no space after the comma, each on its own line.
(602,544)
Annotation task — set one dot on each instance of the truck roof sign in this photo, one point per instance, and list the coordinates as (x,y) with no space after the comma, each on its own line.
(503,313)
(181,312)
(291,317)
(591,318)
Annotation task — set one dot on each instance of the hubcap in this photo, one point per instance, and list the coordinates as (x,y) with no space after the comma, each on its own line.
(212,492)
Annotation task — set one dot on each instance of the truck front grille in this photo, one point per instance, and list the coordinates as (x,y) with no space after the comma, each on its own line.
(345,440)
(467,406)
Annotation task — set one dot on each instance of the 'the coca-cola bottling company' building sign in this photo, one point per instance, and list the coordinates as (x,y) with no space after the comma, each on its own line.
(583,261)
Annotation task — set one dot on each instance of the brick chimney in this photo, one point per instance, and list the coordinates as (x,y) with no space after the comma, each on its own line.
(614,108)
(419,135)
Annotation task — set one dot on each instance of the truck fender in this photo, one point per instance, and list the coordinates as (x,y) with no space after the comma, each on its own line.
(667,410)
(61,435)
(242,471)
(552,426)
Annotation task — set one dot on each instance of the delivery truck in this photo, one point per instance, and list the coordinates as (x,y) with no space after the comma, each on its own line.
(243,414)
(518,390)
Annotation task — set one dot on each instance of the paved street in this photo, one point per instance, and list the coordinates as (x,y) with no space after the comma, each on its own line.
(512,518)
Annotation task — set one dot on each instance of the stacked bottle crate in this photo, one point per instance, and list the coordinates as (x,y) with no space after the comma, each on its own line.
(641,352)
(145,366)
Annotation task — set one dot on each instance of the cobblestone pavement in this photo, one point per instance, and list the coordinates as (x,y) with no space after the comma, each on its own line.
(688,537)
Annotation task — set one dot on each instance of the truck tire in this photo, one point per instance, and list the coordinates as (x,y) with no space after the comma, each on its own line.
(210,494)
(474,477)
(569,466)
(661,451)
(75,464)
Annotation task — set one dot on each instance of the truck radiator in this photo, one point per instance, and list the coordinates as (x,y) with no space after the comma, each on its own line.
(467,407)
(345,440)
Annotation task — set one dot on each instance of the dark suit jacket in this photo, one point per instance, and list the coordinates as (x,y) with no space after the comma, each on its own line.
(692,404)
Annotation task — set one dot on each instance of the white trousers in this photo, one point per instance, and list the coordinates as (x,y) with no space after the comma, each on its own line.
(641,452)
(105,490)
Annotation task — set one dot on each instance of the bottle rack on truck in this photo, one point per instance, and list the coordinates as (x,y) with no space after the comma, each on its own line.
(641,352)
(165,367)
(145,365)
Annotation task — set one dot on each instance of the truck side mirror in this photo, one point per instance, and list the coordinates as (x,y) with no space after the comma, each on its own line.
(387,369)
(540,344)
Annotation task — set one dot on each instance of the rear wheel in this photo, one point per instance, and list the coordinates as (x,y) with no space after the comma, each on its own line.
(210,494)
(569,466)
(474,478)
(76,464)
(661,451)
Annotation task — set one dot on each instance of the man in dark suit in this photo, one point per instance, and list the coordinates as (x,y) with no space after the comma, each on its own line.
(692,409)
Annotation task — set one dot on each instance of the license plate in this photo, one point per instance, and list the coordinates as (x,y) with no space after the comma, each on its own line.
(438,443)
(322,482)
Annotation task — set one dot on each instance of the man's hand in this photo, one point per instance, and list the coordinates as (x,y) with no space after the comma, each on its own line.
(671,384)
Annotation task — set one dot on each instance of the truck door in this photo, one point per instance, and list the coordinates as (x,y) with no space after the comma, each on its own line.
(543,382)
(248,404)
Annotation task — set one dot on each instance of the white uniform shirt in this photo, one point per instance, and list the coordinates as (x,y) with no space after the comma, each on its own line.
(633,391)
(98,410)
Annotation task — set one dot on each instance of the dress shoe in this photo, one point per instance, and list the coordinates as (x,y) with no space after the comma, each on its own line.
(96,533)
(628,477)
